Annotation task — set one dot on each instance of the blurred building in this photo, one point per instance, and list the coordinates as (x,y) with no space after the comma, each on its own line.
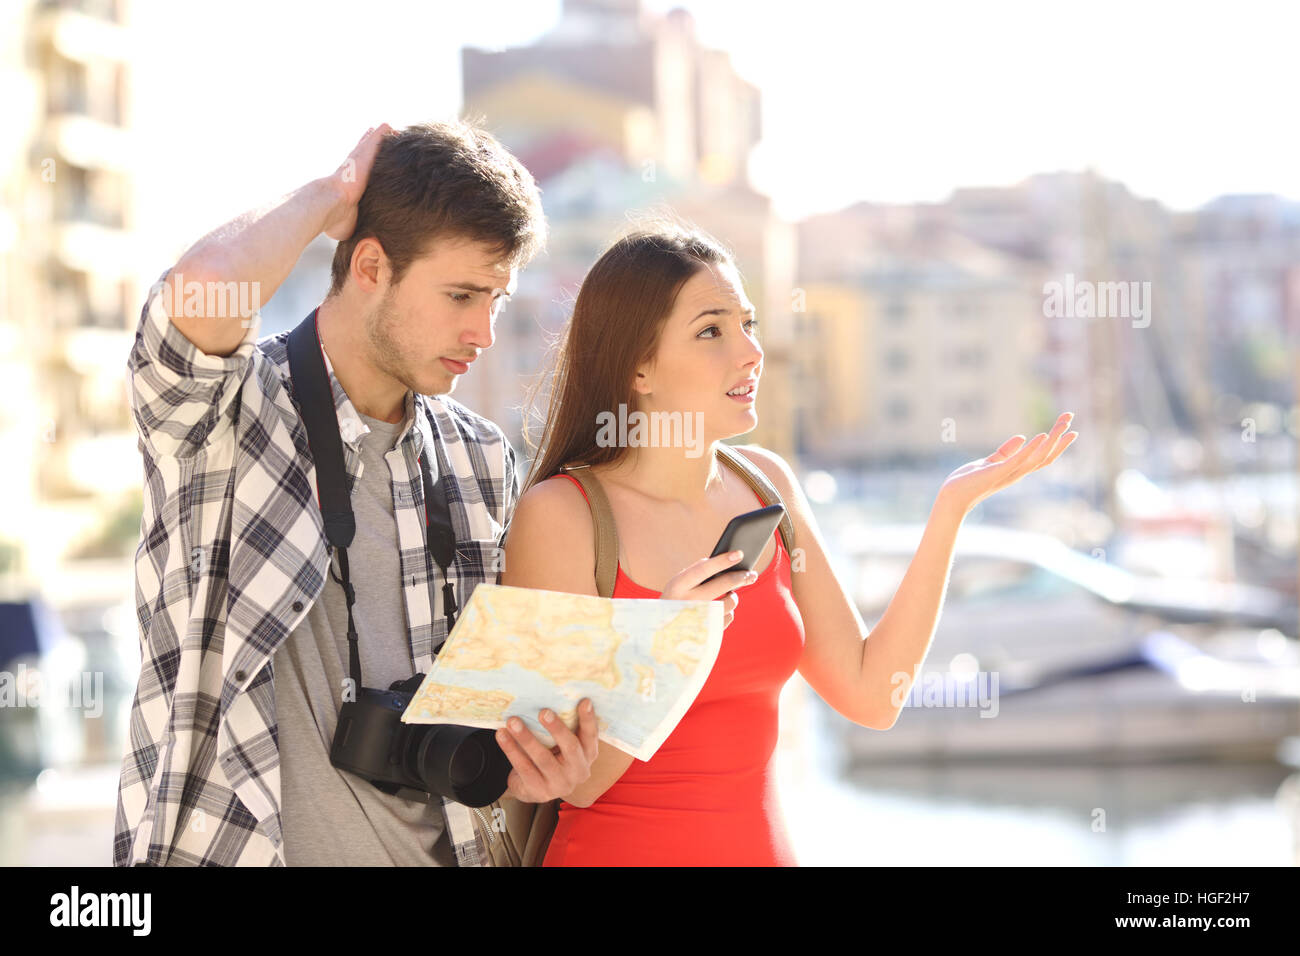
(1244,255)
(1142,381)
(68,288)
(1219,288)
(617,112)
(611,76)
(912,338)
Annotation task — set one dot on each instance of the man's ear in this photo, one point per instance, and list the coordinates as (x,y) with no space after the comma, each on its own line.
(369,264)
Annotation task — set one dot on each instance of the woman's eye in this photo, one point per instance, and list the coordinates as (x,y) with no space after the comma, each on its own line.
(750,324)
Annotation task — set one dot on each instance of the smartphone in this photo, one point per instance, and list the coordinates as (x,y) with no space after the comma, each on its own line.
(748,533)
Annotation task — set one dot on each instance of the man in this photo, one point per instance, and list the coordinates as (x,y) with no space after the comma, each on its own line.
(243,619)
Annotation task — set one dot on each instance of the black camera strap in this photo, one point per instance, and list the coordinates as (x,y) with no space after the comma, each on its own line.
(441,535)
(316,406)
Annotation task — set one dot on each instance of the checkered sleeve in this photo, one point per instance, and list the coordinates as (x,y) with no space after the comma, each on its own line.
(512,490)
(182,399)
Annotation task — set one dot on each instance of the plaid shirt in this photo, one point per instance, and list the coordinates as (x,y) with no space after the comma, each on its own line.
(231,557)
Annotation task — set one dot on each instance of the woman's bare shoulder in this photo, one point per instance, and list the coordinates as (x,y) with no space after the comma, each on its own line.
(550,542)
(772,465)
(555,505)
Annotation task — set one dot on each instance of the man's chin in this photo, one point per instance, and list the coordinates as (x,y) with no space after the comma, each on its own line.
(443,383)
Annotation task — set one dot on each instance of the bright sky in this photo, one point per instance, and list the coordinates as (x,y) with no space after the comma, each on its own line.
(242,101)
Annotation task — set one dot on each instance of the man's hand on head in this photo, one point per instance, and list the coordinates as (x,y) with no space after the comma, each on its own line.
(350,181)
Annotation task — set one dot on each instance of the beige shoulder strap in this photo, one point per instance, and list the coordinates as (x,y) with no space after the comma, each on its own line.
(602,516)
(606,534)
(762,486)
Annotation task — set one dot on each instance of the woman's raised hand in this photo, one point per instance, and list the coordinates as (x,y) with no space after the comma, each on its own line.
(1014,458)
(689,583)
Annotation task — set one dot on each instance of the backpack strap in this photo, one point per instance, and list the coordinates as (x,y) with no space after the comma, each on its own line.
(602,518)
(762,486)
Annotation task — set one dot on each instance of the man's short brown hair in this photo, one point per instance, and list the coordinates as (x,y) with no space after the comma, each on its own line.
(435,180)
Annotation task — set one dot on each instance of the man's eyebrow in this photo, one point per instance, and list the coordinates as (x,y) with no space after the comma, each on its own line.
(471,287)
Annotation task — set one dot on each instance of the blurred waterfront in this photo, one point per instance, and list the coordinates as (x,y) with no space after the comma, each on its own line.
(1194,813)
(945,814)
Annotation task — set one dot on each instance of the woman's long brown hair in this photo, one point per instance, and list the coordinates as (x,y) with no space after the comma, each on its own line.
(617,319)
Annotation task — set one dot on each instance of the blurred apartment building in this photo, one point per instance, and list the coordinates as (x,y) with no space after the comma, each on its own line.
(1244,256)
(940,312)
(916,342)
(1140,380)
(619,113)
(1170,392)
(68,292)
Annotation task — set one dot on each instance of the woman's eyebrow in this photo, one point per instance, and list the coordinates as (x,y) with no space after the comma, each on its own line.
(722,311)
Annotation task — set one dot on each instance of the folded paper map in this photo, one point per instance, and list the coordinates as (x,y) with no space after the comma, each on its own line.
(515,651)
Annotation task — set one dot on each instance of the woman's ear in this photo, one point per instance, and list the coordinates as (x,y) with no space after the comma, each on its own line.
(641,383)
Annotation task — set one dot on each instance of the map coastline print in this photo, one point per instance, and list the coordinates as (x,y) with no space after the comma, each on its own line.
(514,651)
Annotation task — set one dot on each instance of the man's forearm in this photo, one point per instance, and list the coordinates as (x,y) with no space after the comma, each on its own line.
(259,249)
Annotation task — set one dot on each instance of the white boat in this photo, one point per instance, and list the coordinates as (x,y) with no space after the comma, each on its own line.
(1043,654)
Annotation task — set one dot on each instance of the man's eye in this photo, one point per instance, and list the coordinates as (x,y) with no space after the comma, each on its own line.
(459,296)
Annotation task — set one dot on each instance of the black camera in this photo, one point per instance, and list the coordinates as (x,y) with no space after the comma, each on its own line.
(465,764)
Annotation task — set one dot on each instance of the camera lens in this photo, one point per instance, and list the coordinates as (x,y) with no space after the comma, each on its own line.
(463,763)
(467,762)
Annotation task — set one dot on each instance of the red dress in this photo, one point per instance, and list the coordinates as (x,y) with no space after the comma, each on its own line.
(708,795)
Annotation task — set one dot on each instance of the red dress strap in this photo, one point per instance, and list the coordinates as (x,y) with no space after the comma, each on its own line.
(575,481)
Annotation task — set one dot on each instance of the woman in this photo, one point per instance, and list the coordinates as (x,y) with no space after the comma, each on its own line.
(662,324)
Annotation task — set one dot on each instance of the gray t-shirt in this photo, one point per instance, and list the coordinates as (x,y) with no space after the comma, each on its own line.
(331,817)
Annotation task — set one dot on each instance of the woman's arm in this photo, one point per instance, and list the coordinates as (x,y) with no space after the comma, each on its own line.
(551,545)
(867,677)
(835,636)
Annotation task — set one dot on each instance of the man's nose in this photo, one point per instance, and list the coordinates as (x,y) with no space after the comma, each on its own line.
(481,332)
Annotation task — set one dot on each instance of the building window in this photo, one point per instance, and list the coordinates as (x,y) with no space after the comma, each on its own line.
(969,356)
(896,360)
(961,310)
